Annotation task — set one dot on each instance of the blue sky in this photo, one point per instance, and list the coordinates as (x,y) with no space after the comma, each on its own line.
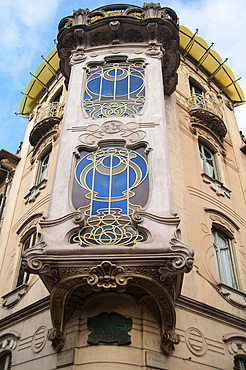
(28,29)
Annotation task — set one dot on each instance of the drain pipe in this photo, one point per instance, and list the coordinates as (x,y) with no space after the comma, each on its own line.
(3,200)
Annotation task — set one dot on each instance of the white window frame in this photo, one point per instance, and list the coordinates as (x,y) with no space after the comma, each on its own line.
(43,167)
(224,257)
(206,166)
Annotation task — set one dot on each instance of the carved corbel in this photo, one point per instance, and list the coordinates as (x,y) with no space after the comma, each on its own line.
(114,28)
(55,336)
(107,276)
(77,56)
(152,29)
(168,340)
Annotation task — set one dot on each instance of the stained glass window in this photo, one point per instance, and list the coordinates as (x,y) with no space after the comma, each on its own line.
(109,184)
(114,89)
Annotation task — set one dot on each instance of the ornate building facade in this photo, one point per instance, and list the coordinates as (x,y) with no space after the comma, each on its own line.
(131,139)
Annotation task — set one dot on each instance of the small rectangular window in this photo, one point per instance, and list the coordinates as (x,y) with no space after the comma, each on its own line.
(224,258)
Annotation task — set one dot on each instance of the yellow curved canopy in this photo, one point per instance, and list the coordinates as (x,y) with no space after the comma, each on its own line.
(210,60)
(194,46)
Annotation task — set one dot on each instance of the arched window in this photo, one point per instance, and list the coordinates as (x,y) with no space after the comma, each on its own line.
(109,184)
(208,161)
(27,243)
(5,361)
(197,95)
(43,167)
(116,88)
(224,258)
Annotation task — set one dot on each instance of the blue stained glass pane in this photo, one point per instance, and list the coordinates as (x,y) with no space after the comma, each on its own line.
(89,178)
(135,83)
(98,205)
(112,72)
(107,88)
(94,85)
(119,184)
(101,185)
(122,87)
(120,204)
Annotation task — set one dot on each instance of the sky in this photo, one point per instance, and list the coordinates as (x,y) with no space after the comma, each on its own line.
(28,29)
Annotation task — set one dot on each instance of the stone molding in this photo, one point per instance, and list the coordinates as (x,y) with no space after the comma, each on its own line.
(42,128)
(12,298)
(157,299)
(107,26)
(216,185)
(35,191)
(234,296)
(8,340)
(236,343)
(206,133)
(210,312)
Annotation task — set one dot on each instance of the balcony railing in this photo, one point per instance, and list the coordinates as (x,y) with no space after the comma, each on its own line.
(49,110)
(204,102)
(48,115)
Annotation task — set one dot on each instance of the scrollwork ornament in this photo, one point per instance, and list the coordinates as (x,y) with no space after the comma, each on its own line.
(168,340)
(107,276)
(55,336)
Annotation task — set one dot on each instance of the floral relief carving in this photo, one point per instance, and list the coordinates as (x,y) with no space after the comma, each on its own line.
(35,191)
(130,132)
(77,56)
(107,276)
(216,185)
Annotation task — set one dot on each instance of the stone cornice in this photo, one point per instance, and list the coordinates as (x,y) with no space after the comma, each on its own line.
(24,313)
(210,312)
(157,26)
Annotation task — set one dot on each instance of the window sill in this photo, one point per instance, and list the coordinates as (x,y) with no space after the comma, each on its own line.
(35,191)
(12,298)
(216,185)
(232,295)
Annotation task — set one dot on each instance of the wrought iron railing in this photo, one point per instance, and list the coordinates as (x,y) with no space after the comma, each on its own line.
(48,110)
(205,102)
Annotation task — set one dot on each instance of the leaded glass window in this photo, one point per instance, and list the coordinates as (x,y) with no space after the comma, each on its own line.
(109,184)
(224,258)
(116,88)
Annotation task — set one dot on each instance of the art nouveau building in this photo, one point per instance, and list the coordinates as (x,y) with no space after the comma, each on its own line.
(131,139)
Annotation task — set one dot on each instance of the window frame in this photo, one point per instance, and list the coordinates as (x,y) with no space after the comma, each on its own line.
(7,358)
(23,276)
(99,103)
(204,160)
(241,363)
(43,174)
(220,267)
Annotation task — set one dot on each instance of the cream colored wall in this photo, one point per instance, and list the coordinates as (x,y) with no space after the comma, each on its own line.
(191,195)
(18,211)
